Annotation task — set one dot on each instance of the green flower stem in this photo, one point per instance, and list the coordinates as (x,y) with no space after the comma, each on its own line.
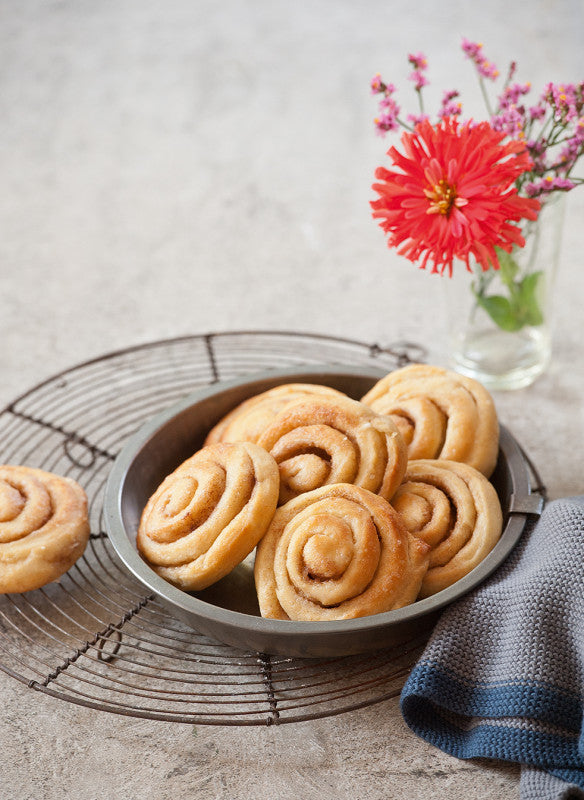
(485,96)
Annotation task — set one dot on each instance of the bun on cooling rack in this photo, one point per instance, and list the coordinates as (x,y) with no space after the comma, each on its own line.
(44,527)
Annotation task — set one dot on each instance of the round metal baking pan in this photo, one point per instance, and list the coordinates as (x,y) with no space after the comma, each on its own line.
(228,610)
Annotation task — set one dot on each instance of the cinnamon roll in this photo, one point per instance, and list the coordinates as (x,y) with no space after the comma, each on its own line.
(337,552)
(321,441)
(44,527)
(440,414)
(455,510)
(209,514)
(246,421)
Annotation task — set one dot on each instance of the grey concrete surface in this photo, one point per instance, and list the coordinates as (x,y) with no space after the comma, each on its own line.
(184,167)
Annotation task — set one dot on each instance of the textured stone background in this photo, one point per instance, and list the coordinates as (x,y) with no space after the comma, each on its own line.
(184,167)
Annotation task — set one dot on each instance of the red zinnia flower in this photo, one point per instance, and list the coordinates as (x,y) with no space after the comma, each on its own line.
(455,195)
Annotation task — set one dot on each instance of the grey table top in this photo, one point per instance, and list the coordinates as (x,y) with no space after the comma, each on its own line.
(173,169)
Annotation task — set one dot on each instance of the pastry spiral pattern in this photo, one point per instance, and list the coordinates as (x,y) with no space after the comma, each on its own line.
(246,421)
(209,514)
(440,414)
(323,441)
(455,510)
(338,552)
(44,527)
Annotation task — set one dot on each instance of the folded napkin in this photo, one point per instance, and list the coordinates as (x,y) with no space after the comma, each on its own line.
(503,674)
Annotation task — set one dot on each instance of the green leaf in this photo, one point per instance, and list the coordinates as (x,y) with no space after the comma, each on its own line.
(527,300)
(501,311)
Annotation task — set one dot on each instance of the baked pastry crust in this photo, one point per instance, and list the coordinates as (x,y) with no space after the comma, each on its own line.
(209,514)
(440,414)
(246,421)
(455,510)
(338,552)
(322,441)
(44,527)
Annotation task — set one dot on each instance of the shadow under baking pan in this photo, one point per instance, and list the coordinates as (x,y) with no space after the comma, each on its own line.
(228,610)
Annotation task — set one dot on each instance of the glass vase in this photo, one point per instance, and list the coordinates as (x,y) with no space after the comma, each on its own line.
(500,321)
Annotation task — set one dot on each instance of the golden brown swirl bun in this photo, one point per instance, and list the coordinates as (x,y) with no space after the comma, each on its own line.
(440,414)
(246,421)
(43,527)
(209,514)
(338,552)
(456,511)
(321,441)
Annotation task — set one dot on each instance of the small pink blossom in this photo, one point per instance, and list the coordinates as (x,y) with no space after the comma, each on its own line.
(509,121)
(513,94)
(419,79)
(450,106)
(547,185)
(537,112)
(377,84)
(415,119)
(379,87)
(537,150)
(572,150)
(388,118)
(474,51)
(418,61)
(420,64)
(488,70)
(566,100)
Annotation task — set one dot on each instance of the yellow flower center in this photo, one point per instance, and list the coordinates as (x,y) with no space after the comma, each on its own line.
(443,197)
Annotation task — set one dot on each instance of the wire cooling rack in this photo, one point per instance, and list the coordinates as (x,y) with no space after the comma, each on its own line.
(97,638)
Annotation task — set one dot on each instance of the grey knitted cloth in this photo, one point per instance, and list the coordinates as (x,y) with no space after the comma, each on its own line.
(503,673)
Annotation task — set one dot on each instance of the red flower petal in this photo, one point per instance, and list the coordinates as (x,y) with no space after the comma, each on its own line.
(453,195)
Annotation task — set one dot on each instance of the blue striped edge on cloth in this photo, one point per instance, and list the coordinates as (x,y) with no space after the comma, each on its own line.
(465,722)
(502,676)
